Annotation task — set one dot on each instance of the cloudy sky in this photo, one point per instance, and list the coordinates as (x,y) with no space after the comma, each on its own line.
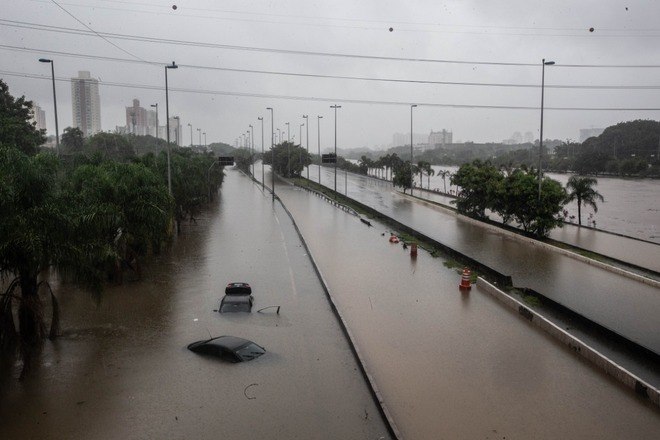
(372,57)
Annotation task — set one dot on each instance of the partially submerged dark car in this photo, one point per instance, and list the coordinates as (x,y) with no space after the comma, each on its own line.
(236,303)
(229,348)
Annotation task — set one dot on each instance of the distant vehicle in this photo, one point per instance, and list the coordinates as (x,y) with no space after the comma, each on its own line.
(229,348)
(238,289)
(236,303)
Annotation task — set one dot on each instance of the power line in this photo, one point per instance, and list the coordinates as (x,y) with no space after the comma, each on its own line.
(324,99)
(94,32)
(619,31)
(344,77)
(48,28)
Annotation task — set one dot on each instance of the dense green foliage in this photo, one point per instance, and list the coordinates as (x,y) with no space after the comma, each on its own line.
(290,159)
(85,218)
(514,196)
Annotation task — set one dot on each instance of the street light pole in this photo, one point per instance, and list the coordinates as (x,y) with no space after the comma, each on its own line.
(543,64)
(252,147)
(288,149)
(318,121)
(306,118)
(262,151)
(335,107)
(57,128)
(272,149)
(411,147)
(199,131)
(167,116)
(156,106)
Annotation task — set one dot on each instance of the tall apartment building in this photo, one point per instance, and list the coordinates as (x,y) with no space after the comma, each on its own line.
(39,116)
(136,119)
(86,104)
(443,137)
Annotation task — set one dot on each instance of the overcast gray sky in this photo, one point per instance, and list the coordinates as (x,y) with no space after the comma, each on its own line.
(517,32)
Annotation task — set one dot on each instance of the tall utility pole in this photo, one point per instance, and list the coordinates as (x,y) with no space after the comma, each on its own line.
(199,131)
(306,118)
(191,141)
(335,107)
(262,152)
(167,115)
(318,121)
(252,147)
(543,64)
(57,128)
(411,147)
(288,149)
(272,149)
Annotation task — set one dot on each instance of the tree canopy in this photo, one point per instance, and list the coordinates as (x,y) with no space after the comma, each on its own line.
(16,125)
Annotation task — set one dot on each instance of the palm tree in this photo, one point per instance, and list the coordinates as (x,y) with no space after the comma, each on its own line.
(444,174)
(581,190)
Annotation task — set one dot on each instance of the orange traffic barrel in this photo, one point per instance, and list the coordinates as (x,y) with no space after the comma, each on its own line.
(413,250)
(465,280)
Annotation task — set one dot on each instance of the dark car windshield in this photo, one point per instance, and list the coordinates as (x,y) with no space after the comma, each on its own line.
(236,304)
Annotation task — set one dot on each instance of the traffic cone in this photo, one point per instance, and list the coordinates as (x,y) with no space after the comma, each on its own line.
(465,280)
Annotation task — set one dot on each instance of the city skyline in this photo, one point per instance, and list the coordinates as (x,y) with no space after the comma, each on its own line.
(472,68)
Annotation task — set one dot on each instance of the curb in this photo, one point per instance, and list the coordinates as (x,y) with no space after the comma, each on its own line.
(597,359)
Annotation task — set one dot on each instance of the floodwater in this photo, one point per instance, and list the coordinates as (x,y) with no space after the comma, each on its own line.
(621,304)
(120,370)
(453,365)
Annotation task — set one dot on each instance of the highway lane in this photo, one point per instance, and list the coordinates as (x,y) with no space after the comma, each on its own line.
(625,306)
(452,365)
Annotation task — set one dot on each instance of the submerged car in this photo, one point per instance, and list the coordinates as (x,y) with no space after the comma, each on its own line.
(238,289)
(229,348)
(236,303)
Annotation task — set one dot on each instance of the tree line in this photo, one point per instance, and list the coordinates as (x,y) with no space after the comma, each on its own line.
(87,215)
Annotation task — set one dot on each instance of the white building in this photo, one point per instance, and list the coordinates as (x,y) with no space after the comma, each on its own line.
(437,138)
(39,116)
(86,104)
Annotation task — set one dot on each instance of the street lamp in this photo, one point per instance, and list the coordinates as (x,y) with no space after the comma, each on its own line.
(411,147)
(252,147)
(262,151)
(288,149)
(190,125)
(272,149)
(543,64)
(167,115)
(335,107)
(156,106)
(57,129)
(306,118)
(199,131)
(300,145)
(318,121)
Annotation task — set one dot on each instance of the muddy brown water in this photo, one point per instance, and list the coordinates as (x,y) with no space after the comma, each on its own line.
(455,365)
(120,370)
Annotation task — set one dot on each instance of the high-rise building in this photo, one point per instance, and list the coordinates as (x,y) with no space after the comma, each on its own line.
(86,104)
(136,119)
(175,130)
(39,116)
(443,137)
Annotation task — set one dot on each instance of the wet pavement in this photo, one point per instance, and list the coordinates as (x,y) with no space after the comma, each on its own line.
(454,365)
(121,369)
(626,306)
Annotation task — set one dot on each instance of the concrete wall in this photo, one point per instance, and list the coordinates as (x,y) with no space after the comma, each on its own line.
(605,364)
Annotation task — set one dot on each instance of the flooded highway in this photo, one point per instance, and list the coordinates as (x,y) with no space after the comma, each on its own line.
(453,365)
(625,306)
(121,370)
